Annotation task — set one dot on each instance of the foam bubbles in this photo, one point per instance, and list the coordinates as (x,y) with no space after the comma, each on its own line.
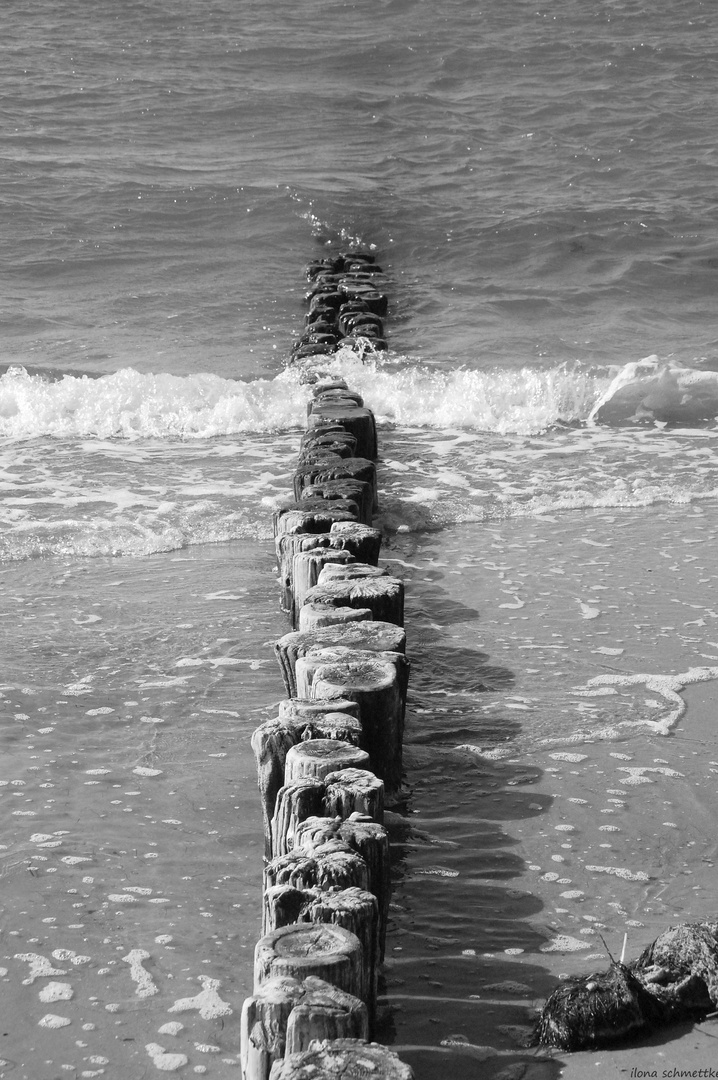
(129,404)
(40,967)
(165,1062)
(56,991)
(208,1003)
(145,985)
(619,871)
(172,1027)
(564,943)
(51,1020)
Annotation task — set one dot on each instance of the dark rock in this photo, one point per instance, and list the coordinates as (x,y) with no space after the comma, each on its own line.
(597,1010)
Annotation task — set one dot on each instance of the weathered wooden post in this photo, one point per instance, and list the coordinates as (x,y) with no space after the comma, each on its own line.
(325,1013)
(286,1015)
(354,909)
(297,720)
(316,758)
(358,492)
(311,515)
(331,1059)
(306,569)
(345,791)
(384,596)
(296,801)
(312,616)
(356,421)
(323,950)
(361,541)
(362,636)
(374,683)
(332,467)
(331,865)
(366,838)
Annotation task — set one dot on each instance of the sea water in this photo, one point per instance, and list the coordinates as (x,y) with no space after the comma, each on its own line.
(538,184)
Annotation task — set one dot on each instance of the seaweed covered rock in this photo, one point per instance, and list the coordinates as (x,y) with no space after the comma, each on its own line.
(596,1010)
(681,969)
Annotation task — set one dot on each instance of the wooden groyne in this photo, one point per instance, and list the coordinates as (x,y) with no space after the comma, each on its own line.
(331,758)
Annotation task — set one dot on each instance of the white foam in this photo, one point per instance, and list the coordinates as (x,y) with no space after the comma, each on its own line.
(67,954)
(163,1061)
(649,389)
(145,985)
(637,775)
(56,991)
(172,1027)
(40,967)
(667,686)
(563,943)
(51,1020)
(619,871)
(208,1003)
(128,404)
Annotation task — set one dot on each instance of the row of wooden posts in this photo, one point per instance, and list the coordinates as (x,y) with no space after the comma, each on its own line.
(333,755)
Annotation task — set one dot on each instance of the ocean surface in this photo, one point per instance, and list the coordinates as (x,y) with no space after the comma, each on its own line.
(539,185)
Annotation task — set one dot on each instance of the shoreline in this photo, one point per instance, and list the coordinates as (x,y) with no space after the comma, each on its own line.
(464,642)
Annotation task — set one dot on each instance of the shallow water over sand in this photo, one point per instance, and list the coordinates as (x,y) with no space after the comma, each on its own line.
(537,820)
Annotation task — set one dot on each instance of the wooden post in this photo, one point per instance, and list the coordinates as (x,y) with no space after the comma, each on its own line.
(312,515)
(366,838)
(263,1025)
(335,440)
(312,616)
(296,801)
(332,865)
(323,950)
(343,792)
(349,490)
(360,541)
(271,742)
(353,790)
(316,758)
(325,1013)
(298,720)
(286,1015)
(358,422)
(306,568)
(354,909)
(332,1059)
(384,596)
(305,666)
(311,711)
(332,467)
(363,541)
(375,685)
(326,395)
(354,572)
(290,544)
(361,636)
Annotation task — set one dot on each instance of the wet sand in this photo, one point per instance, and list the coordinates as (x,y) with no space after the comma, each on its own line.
(540,817)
